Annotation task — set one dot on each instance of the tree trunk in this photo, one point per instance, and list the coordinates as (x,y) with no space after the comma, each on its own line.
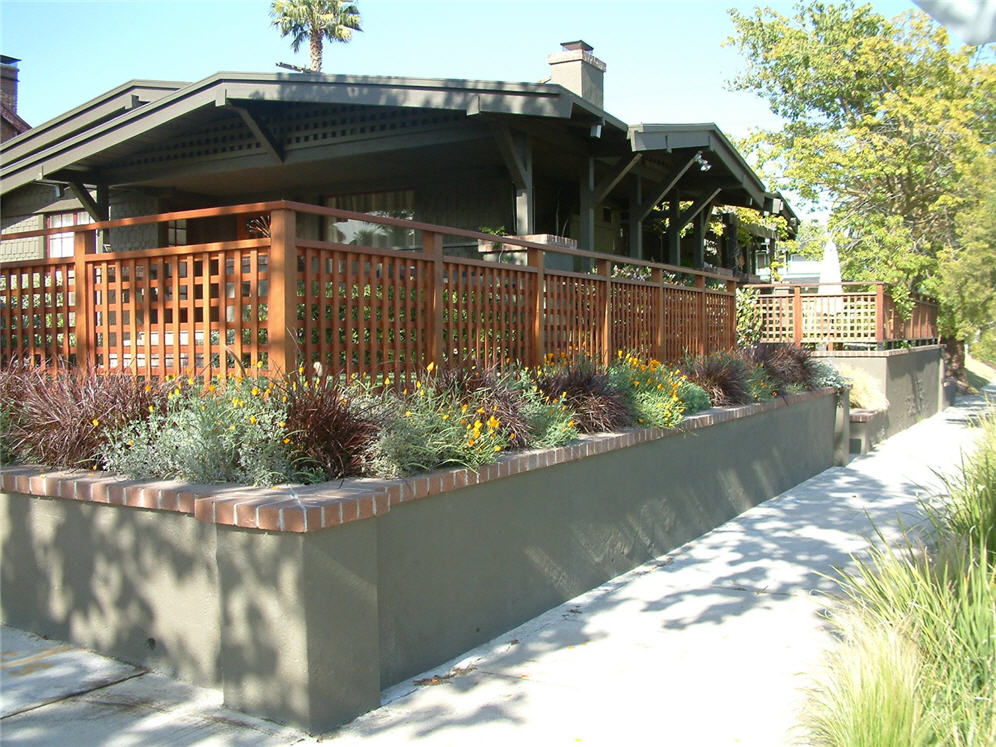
(316,51)
(954,358)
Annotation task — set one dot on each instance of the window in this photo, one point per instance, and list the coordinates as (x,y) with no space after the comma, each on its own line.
(399,204)
(176,233)
(61,244)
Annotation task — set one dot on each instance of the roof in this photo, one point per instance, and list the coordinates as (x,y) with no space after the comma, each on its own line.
(10,116)
(130,116)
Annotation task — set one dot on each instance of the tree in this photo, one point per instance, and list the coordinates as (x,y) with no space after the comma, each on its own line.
(315,21)
(882,121)
(967,277)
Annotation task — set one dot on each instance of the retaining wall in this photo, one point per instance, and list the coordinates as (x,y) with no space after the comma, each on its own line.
(911,379)
(302,604)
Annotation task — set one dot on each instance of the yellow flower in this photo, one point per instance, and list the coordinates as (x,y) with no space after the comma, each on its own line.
(570,423)
(231,427)
(252,419)
(151,408)
(511,436)
(497,448)
(418,384)
(259,364)
(255,391)
(300,369)
(286,440)
(430,367)
(480,410)
(95,422)
(282,424)
(463,408)
(387,382)
(446,417)
(493,422)
(471,442)
(408,413)
(148,388)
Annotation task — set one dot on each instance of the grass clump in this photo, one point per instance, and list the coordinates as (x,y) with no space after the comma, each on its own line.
(67,419)
(582,387)
(918,659)
(653,391)
(724,376)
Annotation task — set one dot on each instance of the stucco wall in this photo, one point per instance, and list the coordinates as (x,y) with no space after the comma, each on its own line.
(309,626)
(139,585)
(912,381)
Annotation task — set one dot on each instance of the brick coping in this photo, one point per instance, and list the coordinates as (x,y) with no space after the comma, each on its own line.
(864,415)
(310,508)
(873,353)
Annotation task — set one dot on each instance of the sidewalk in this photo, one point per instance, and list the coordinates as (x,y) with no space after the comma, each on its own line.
(712,644)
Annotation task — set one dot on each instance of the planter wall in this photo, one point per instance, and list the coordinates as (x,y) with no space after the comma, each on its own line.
(303,604)
(912,380)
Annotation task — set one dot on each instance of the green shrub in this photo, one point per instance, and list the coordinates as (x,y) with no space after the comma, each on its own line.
(426,429)
(652,390)
(235,433)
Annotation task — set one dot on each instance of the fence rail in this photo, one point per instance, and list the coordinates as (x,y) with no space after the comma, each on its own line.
(858,314)
(279,300)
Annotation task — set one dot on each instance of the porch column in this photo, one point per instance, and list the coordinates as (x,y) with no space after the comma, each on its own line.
(586,213)
(635,222)
(674,230)
(517,153)
(698,239)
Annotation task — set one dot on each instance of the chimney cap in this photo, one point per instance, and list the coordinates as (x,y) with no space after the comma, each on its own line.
(570,46)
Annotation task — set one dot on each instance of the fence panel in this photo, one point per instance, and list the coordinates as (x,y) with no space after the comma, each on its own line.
(364,311)
(38,312)
(197,310)
(720,321)
(574,304)
(634,317)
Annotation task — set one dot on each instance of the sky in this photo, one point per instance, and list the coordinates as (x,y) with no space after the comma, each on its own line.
(666,58)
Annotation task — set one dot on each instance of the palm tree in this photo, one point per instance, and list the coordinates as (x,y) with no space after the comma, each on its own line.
(315,20)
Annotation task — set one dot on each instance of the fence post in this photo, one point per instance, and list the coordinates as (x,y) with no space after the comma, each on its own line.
(797,315)
(880,314)
(701,313)
(535,258)
(84,242)
(731,330)
(657,278)
(432,245)
(604,269)
(282,298)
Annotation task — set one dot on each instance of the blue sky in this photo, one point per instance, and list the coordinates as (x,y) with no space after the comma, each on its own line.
(666,59)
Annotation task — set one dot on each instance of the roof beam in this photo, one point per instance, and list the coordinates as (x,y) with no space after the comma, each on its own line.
(660,190)
(82,194)
(266,139)
(513,154)
(696,207)
(610,180)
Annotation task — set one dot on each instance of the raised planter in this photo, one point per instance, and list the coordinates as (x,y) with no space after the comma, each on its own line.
(302,604)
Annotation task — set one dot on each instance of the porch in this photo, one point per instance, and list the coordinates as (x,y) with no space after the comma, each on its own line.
(386,305)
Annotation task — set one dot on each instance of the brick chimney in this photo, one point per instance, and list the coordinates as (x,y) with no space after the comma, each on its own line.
(579,71)
(8,82)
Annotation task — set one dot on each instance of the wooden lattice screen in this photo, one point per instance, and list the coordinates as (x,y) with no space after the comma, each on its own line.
(277,301)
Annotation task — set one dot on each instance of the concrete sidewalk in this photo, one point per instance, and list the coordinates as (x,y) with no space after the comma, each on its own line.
(713,644)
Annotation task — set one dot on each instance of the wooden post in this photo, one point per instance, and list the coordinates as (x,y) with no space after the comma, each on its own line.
(657,278)
(731,288)
(880,314)
(604,269)
(282,297)
(84,242)
(536,259)
(432,244)
(701,312)
(797,315)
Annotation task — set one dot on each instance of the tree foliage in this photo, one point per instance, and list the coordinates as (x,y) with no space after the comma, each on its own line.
(882,121)
(315,21)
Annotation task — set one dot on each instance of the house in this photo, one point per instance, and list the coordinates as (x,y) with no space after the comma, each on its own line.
(513,158)
(11,125)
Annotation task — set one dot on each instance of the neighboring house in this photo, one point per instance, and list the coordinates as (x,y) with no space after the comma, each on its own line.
(526,158)
(11,125)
